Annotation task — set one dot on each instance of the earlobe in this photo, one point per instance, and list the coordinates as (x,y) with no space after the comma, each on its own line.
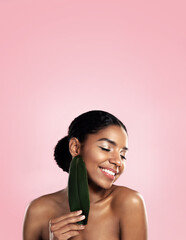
(74,147)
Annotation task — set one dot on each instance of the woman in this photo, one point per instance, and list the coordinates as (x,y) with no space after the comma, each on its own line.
(116,212)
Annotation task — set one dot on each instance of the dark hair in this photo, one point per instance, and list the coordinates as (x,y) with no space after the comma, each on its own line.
(87,123)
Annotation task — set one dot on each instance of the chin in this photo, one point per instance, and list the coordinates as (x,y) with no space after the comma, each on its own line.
(100,185)
(105,185)
(106,188)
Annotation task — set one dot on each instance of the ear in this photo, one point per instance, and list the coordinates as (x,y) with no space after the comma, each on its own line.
(74,146)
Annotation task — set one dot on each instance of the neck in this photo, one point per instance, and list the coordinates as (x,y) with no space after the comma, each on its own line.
(97,193)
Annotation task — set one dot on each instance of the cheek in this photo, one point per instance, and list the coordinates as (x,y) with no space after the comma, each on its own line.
(93,156)
(123,167)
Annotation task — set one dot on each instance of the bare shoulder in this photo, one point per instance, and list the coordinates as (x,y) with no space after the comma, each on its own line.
(126,197)
(47,202)
(129,206)
(39,212)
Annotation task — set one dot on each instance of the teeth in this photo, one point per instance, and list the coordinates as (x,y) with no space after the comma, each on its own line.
(108,171)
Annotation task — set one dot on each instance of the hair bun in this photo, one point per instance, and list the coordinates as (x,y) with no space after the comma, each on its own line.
(62,154)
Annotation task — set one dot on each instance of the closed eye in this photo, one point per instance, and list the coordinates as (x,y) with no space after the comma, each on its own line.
(105,149)
(108,150)
(123,157)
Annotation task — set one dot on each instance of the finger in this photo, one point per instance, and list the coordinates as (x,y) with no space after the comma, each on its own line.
(66,235)
(71,227)
(66,222)
(70,234)
(65,216)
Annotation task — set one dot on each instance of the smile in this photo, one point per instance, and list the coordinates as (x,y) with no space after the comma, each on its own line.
(108,173)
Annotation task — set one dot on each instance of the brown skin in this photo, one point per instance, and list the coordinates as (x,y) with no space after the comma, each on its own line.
(116,212)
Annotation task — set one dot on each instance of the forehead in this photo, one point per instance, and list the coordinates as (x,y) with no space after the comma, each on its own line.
(113,132)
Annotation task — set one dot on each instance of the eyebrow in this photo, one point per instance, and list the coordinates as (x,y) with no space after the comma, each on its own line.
(112,142)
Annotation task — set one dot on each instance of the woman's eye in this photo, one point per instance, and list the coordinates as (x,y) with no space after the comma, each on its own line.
(123,157)
(105,149)
(108,150)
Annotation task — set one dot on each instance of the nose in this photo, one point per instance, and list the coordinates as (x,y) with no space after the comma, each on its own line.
(116,159)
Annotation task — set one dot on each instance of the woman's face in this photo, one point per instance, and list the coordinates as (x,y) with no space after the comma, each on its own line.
(104,154)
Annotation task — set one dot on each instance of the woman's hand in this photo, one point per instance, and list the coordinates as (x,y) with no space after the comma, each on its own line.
(65,227)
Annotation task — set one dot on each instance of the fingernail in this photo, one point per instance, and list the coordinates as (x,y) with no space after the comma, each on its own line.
(79,212)
(82,217)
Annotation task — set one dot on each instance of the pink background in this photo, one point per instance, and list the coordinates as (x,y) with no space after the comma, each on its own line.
(61,58)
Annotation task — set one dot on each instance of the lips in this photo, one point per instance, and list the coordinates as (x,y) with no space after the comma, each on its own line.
(107,174)
(110,169)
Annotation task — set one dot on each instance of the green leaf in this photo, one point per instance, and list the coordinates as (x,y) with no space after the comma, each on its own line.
(78,193)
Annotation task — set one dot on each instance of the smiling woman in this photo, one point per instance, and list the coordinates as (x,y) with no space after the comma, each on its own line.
(102,142)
